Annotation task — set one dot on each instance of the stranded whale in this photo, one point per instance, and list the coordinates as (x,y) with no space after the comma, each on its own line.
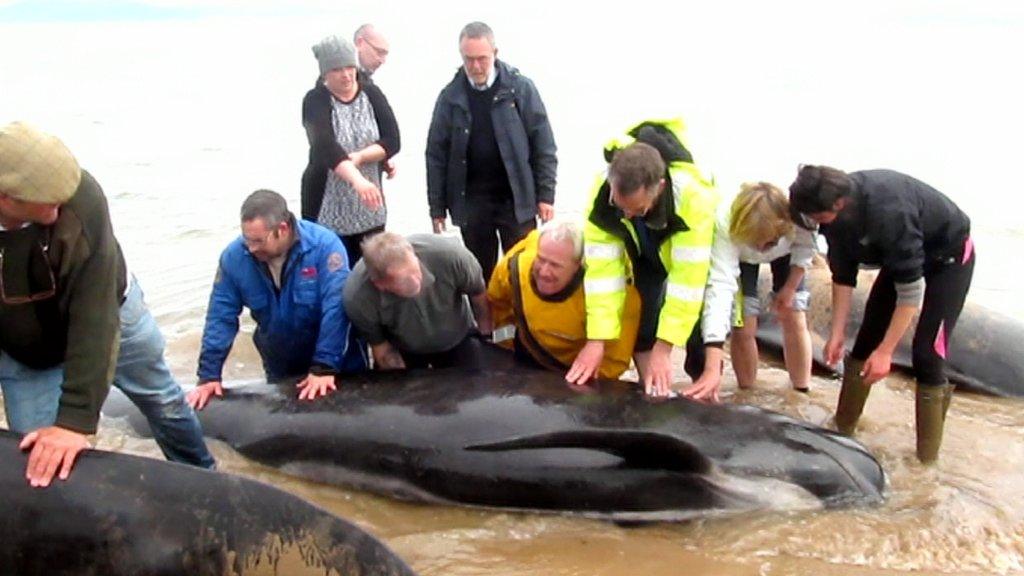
(514,437)
(119,514)
(982,357)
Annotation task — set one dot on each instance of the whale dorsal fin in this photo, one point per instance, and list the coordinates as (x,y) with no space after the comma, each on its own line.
(641,449)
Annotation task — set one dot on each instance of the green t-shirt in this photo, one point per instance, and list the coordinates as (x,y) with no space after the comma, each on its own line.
(435,320)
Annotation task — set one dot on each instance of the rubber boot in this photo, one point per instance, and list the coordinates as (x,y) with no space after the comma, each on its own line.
(852,397)
(931,405)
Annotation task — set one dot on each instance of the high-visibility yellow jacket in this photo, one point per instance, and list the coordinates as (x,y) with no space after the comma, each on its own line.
(553,329)
(684,221)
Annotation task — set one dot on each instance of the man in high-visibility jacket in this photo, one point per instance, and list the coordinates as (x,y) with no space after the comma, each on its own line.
(652,221)
(537,302)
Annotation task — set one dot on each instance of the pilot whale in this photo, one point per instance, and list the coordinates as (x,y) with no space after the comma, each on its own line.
(983,354)
(126,515)
(513,437)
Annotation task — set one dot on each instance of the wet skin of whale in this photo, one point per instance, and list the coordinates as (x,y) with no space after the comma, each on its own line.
(126,515)
(983,356)
(519,438)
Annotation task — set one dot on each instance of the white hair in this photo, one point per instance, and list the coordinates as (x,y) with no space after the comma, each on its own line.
(564,229)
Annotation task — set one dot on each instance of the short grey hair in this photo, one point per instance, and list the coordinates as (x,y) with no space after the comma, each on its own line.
(562,230)
(384,250)
(476,30)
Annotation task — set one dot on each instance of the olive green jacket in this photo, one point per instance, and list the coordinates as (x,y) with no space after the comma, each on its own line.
(79,325)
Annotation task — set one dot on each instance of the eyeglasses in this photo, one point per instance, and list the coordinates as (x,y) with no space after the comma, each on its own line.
(32,296)
(381,52)
(255,243)
(636,204)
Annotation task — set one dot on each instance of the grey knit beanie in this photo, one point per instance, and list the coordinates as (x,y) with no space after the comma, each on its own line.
(333,52)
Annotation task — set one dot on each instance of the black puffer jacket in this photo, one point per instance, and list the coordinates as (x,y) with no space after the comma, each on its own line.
(896,222)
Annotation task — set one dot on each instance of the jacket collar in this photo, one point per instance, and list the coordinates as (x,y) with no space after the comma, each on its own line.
(303,241)
(458,88)
(658,217)
(492,77)
(663,216)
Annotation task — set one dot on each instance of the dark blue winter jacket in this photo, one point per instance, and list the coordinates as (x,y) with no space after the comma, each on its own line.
(524,140)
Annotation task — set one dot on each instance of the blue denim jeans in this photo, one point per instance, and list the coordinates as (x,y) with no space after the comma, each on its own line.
(31,396)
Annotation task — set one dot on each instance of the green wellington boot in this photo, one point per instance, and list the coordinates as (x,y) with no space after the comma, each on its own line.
(852,397)
(931,405)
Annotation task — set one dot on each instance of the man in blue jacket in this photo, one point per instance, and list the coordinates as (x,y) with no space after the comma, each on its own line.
(290,275)
(491,158)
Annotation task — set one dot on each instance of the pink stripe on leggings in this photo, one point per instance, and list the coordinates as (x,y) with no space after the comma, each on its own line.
(940,341)
(968,250)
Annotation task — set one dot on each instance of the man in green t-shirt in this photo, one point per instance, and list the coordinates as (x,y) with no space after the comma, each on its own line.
(408,298)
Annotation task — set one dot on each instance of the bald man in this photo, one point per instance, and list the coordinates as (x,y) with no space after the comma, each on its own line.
(372,48)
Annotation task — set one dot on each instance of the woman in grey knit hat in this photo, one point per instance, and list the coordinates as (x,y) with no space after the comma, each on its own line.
(352,131)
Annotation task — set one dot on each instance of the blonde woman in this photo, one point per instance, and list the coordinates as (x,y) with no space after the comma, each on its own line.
(755,229)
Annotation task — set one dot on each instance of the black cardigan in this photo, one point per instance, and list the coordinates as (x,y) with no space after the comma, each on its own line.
(324,151)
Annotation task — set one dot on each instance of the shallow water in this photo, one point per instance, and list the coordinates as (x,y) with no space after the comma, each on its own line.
(963,516)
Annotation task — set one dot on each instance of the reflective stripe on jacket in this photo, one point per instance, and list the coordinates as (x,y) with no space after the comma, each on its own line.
(690,201)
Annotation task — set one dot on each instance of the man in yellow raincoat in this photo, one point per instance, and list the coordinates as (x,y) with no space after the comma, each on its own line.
(538,302)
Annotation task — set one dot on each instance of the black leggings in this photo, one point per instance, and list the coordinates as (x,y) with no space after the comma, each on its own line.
(749,273)
(489,220)
(354,244)
(946,286)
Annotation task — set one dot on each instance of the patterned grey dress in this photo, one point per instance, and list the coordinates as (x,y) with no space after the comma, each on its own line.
(355,127)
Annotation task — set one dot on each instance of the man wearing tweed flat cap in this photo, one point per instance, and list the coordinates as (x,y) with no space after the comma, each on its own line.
(71,317)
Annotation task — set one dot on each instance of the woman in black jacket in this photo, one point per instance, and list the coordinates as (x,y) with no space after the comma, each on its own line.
(921,242)
(352,132)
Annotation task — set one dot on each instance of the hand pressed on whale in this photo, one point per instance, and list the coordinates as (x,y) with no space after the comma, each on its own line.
(52,447)
(310,388)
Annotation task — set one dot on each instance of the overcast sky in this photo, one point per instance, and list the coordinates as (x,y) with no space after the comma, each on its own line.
(927,86)
(997,12)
